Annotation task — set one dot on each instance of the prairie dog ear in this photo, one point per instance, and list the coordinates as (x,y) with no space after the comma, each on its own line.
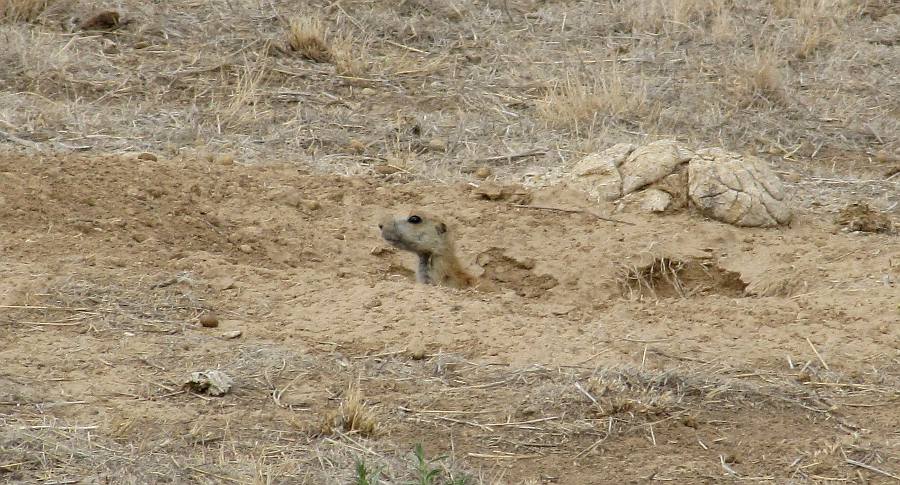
(441,228)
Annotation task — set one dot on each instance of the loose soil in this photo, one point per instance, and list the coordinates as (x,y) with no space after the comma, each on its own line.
(229,159)
(777,360)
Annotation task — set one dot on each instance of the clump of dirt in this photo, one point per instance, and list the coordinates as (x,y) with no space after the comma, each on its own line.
(516,274)
(669,277)
(859,216)
(777,284)
(514,194)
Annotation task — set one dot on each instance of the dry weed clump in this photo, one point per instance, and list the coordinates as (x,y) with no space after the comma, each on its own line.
(309,37)
(578,102)
(637,281)
(669,17)
(723,27)
(306,35)
(22,10)
(759,81)
(816,23)
(808,10)
(667,277)
(616,393)
(355,415)
(242,108)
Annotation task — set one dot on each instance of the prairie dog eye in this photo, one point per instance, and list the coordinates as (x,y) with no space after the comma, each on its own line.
(414,220)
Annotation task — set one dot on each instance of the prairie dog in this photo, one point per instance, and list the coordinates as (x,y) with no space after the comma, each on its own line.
(430,239)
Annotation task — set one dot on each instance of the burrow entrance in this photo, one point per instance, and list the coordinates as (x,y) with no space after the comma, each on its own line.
(669,277)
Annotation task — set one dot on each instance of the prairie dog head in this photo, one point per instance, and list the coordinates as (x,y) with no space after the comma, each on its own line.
(416,232)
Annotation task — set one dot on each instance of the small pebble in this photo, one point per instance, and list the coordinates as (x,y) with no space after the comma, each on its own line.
(206,156)
(226,159)
(209,320)
(232,334)
(437,145)
(483,172)
(356,146)
(416,350)
(147,156)
(385,169)
(310,204)
(883,156)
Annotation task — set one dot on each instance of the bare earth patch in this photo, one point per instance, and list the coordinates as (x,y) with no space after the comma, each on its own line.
(113,261)
(194,187)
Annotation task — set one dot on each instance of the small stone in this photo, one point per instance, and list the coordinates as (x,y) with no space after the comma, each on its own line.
(246,248)
(483,172)
(367,91)
(792,177)
(212,382)
(732,458)
(223,283)
(232,334)
(225,159)
(882,156)
(291,198)
(209,320)
(147,156)
(141,44)
(206,156)
(437,145)
(356,146)
(560,310)
(656,200)
(110,47)
(373,303)
(416,350)
(385,169)
(310,204)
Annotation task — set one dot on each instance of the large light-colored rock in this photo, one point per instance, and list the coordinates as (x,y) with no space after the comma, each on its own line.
(739,190)
(650,163)
(598,173)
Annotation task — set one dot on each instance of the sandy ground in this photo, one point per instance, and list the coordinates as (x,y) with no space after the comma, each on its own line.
(763,354)
(669,349)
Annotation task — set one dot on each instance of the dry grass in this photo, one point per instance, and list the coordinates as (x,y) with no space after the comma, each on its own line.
(668,277)
(354,416)
(644,280)
(22,10)
(584,101)
(242,109)
(759,81)
(672,18)
(584,75)
(307,36)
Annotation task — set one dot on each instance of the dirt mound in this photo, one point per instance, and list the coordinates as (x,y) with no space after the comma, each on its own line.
(516,274)
(861,217)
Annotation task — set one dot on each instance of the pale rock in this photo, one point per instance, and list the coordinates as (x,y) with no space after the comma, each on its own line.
(652,162)
(598,173)
(739,190)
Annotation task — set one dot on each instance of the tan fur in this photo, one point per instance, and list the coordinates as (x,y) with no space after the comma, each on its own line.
(432,242)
